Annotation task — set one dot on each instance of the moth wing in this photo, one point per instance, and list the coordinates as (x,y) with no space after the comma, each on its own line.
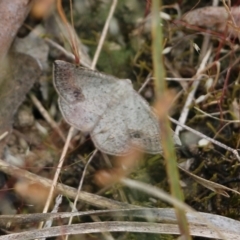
(64,79)
(147,131)
(110,133)
(143,126)
(77,84)
(81,116)
(126,125)
(84,94)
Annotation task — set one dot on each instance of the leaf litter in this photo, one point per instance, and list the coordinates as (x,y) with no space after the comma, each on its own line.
(41,151)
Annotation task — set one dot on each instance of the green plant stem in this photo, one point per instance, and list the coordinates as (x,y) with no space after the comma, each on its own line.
(166,136)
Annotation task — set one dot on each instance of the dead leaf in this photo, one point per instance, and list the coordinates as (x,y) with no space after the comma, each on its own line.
(34,46)
(17,75)
(13,14)
(218,18)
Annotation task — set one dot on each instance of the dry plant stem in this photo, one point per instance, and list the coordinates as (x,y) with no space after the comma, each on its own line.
(80,187)
(58,201)
(67,54)
(92,199)
(148,79)
(72,41)
(215,3)
(175,73)
(221,129)
(166,136)
(185,111)
(234,151)
(117,226)
(70,192)
(229,12)
(58,170)
(204,47)
(106,235)
(47,117)
(3,135)
(218,67)
(154,191)
(104,33)
(166,215)
(180,79)
(13,14)
(216,118)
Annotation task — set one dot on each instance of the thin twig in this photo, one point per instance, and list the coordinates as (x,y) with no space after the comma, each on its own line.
(47,117)
(59,167)
(69,192)
(106,234)
(148,79)
(156,192)
(68,55)
(185,111)
(234,151)
(3,135)
(80,187)
(104,33)
(58,201)
(219,119)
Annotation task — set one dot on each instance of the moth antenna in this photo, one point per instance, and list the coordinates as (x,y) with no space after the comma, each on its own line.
(72,38)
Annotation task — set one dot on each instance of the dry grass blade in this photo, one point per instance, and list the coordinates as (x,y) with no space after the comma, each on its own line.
(166,215)
(218,188)
(65,190)
(142,227)
(70,192)
(59,167)
(154,191)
